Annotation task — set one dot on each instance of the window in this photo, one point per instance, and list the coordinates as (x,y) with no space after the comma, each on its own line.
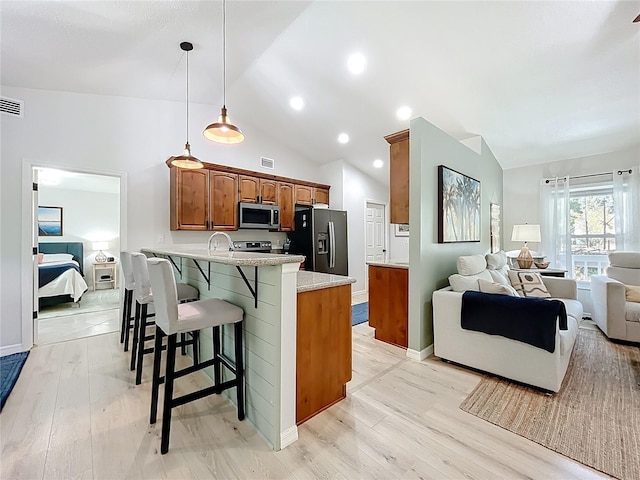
(592,229)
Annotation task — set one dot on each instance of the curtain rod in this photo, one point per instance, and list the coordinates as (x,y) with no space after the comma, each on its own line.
(620,172)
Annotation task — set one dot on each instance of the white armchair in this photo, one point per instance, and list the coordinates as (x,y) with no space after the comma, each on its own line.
(616,317)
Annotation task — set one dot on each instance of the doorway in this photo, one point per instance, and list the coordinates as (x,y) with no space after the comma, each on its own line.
(77,223)
(375,234)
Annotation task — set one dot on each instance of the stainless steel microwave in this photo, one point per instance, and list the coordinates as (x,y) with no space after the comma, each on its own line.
(256,215)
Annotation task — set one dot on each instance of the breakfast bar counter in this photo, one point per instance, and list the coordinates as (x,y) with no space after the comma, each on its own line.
(265,286)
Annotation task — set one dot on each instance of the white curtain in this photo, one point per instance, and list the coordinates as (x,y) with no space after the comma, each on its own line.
(626,204)
(554,223)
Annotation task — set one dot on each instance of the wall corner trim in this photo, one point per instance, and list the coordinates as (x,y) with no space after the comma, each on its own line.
(418,356)
(289,436)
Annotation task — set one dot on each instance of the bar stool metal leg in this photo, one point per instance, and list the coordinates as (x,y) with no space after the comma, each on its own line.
(217,377)
(168,393)
(142,336)
(155,382)
(239,369)
(134,345)
(128,322)
(124,322)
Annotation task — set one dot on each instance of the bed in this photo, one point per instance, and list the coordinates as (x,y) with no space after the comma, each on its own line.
(60,273)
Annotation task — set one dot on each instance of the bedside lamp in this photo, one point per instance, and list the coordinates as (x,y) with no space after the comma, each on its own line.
(525,233)
(100,256)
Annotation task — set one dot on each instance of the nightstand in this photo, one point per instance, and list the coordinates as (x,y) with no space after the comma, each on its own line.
(105,274)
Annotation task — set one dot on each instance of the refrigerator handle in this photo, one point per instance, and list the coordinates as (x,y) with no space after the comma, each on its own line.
(332,245)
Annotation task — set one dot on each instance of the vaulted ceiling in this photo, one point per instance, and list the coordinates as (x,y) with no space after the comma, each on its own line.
(540,81)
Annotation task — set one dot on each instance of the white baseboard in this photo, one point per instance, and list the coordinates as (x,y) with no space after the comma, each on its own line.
(289,436)
(11,349)
(418,356)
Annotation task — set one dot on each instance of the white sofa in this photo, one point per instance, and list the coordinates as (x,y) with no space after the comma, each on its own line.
(616,317)
(500,355)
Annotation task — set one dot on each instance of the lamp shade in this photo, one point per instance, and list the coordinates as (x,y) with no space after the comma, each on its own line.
(525,233)
(100,245)
(223,131)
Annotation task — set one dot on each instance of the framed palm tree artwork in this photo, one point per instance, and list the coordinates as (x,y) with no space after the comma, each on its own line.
(458,207)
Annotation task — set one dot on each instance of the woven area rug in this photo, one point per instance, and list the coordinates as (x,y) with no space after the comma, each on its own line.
(359,313)
(594,419)
(10,368)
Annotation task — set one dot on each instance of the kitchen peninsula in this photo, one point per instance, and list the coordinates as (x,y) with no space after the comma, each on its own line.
(267,287)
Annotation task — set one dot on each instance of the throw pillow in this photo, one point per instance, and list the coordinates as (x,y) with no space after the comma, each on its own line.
(495,261)
(632,293)
(471,264)
(496,288)
(40,258)
(462,283)
(528,284)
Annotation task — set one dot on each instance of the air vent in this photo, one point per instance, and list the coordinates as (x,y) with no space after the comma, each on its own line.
(15,108)
(267,163)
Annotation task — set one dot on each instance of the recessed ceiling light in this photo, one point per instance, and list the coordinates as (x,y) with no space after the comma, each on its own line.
(403,113)
(356,63)
(296,103)
(343,138)
(377,163)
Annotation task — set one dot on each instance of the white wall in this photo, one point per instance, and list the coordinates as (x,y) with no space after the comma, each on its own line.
(522,186)
(87,217)
(112,135)
(432,262)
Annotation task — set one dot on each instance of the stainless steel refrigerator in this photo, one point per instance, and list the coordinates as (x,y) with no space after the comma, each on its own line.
(321,236)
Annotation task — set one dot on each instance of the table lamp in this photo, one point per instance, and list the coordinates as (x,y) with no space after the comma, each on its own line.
(100,256)
(525,233)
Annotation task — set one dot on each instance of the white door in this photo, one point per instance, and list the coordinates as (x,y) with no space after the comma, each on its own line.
(375,237)
(34,243)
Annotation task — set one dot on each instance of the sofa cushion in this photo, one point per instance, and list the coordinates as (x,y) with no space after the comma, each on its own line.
(500,276)
(496,288)
(471,264)
(528,284)
(495,261)
(573,307)
(462,283)
(632,312)
(568,336)
(632,293)
(625,259)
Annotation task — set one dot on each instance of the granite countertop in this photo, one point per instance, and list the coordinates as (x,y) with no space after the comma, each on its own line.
(308,281)
(199,252)
(390,264)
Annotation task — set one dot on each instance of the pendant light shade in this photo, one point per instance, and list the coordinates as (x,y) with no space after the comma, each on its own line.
(223,131)
(186,160)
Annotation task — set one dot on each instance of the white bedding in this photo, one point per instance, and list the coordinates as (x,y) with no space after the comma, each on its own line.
(69,282)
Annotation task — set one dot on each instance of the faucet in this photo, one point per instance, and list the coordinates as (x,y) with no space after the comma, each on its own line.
(219,233)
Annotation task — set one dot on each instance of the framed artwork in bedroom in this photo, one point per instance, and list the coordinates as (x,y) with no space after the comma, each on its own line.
(49,221)
(458,207)
(401,230)
(494,227)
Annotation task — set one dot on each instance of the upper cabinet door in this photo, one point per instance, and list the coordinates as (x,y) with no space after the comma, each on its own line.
(321,195)
(249,189)
(287,209)
(224,201)
(304,195)
(268,192)
(189,208)
(399,177)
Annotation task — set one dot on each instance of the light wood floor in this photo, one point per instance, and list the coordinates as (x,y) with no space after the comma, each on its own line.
(75,413)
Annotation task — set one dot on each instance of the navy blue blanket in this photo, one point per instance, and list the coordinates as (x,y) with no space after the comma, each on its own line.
(528,320)
(48,273)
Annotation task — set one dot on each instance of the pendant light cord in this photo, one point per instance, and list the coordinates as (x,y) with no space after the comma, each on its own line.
(187,97)
(224,53)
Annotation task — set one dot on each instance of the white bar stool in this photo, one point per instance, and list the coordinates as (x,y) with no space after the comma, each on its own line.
(173,318)
(129,286)
(144,300)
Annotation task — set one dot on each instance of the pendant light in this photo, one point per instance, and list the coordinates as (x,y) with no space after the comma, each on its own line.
(186,160)
(223,131)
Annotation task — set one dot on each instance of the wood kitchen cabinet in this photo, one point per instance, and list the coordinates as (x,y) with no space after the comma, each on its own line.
(308,195)
(203,200)
(399,177)
(323,349)
(257,190)
(207,198)
(389,304)
(287,206)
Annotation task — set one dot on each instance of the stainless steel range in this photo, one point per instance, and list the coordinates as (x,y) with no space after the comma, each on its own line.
(257,246)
